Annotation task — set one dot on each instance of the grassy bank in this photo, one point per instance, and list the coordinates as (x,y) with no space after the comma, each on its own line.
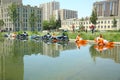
(110,36)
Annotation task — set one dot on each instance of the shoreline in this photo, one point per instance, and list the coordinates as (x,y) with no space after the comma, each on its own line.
(92,41)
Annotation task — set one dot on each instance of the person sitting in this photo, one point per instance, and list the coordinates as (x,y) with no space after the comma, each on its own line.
(48,35)
(100,40)
(53,35)
(25,34)
(78,38)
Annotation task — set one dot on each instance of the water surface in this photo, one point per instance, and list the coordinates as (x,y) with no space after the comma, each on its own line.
(32,60)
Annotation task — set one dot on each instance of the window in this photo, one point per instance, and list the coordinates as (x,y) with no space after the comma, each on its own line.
(98,26)
(104,26)
(101,22)
(105,22)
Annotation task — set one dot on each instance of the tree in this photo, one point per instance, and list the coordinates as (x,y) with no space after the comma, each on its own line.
(58,23)
(93,19)
(12,12)
(82,19)
(32,21)
(45,24)
(1,23)
(114,23)
(52,22)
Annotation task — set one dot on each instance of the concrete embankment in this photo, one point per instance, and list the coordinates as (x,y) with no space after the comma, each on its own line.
(92,41)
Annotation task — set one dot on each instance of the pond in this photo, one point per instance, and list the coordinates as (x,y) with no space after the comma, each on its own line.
(36,60)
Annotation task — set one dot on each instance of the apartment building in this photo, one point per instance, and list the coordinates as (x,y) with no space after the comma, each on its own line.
(64,14)
(103,23)
(48,9)
(107,8)
(2,2)
(24,12)
(68,14)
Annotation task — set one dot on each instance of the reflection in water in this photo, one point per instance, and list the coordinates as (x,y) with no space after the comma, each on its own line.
(11,67)
(112,53)
(80,43)
(12,53)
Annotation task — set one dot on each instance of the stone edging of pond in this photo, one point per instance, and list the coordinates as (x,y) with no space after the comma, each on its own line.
(92,41)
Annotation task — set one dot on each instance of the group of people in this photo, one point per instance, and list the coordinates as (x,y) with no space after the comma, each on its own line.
(102,44)
(101,41)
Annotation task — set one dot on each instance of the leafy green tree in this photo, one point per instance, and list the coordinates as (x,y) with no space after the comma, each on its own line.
(1,23)
(52,22)
(82,19)
(32,21)
(12,12)
(114,23)
(58,23)
(45,24)
(93,19)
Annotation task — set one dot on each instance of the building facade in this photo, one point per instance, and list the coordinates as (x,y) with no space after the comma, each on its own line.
(106,11)
(48,9)
(107,8)
(2,2)
(64,14)
(68,14)
(22,22)
(103,23)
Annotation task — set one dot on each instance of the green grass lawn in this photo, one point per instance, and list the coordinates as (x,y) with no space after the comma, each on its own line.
(110,36)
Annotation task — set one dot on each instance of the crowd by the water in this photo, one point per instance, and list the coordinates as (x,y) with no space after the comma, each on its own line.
(101,43)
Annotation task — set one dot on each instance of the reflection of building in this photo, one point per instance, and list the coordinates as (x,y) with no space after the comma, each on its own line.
(11,66)
(50,50)
(113,53)
(54,50)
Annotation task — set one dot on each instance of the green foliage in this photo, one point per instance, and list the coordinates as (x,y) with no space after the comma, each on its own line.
(114,22)
(35,32)
(20,32)
(32,21)
(93,17)
(58,23)
(1,37)
(1,23)
(45,25)
(51,24)
(110,36)
(82,19)
(12,12)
